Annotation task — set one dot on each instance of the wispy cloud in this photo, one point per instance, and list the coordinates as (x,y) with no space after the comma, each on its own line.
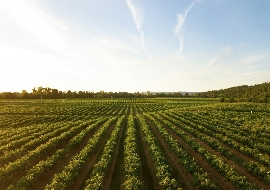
(138,17)
(254,58)
(222,54)
(180,22)
(212,61)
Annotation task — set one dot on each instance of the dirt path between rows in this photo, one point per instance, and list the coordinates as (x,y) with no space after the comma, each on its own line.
(48,176)
(112,179)
(147,174)
(84,173)
(217,178)
(233,150)
(238,169)
(183,177)
(14,179)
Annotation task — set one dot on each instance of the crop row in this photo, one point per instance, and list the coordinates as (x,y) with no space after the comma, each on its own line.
(200,177)
(41,168)
(100,168)
(49,145)
(87,107)
(12,155)
(229,139)
(18,136)
(66,177)
(252,167)
(163,169)
(132,161)
(215,161)
(253,134)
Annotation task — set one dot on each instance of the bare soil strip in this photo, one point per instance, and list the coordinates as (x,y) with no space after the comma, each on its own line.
(233,150)
(93,158)
(238,169)
(112,179)
(148,169)
(183,177)
(218,178)
(47,177)
(14,179)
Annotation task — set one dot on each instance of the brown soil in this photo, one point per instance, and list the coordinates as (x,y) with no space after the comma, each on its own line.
(236,166)
(113,177)
(48,176)
(19,174)
(217,178)
(148,169)
(93,158)
(183,177)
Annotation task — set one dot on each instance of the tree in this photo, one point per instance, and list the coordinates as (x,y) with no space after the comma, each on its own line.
(40,91)
(148,94)
(74,94)
(69,94)
(34,91)
(47,92)
(54,93)
(24,94)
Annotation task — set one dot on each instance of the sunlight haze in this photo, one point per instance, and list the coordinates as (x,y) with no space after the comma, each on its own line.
(133,45)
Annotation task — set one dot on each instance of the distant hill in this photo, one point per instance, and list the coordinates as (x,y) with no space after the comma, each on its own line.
(254,93)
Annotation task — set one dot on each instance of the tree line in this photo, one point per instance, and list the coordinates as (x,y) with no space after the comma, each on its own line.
(51,93)
(255,93)
(259,93)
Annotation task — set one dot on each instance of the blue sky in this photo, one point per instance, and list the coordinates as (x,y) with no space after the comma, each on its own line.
(134,45)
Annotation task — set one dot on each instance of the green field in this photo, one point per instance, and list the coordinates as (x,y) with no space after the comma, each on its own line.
(134,144)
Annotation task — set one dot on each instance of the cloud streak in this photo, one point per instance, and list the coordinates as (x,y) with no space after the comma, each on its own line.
(180,21)
(138,17)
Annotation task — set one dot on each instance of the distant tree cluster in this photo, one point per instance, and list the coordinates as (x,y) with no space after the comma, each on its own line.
(258,93)
(50,93)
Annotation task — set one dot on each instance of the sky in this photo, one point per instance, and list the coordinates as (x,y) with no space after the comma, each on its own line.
(133,45)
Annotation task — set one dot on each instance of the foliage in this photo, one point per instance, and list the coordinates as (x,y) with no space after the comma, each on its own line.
(36,136)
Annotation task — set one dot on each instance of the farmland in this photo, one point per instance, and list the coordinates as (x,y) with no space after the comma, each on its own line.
(134,144)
